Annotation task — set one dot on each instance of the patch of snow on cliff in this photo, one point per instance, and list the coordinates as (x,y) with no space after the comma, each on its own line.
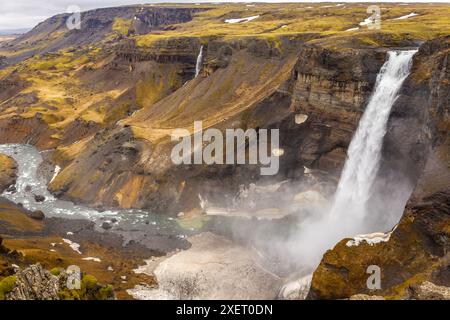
(75,246)
(370,239)
(352,29)
(241,19)
(92,259)
(367,21)
(412,14)
(57,170)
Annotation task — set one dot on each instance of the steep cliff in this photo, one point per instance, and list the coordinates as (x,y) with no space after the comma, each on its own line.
(326,87)
(417,249)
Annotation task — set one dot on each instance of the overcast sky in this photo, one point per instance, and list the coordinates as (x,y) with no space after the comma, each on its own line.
(17,14)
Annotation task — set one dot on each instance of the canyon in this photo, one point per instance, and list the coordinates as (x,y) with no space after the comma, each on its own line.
(86,118)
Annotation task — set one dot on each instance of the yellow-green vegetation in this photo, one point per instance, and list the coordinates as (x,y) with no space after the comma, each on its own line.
(90,290)
(122,26)
(6,285)
(15,220)
(55,271)
(325,20)
(162,81)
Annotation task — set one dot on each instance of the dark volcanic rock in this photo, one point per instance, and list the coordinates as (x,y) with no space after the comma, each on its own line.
(39,198)
(37,215)
(11,189)
(106,225)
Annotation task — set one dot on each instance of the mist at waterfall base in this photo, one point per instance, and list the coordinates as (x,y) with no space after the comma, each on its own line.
(354,208)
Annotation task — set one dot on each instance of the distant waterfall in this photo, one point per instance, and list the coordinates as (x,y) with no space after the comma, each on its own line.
(361,167)
(198,65)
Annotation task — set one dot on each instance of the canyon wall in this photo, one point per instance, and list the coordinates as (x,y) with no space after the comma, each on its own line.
(417,144)
(251,85)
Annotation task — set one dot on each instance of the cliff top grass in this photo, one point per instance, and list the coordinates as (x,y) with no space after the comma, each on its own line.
(329,20)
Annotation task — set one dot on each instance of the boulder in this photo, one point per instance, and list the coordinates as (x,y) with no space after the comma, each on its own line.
(34,283)
(429,291)
(39,198)
(37,215)
(106,225)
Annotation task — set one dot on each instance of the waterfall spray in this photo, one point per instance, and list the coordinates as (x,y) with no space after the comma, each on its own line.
(198,65)
(348,214)
(364,152)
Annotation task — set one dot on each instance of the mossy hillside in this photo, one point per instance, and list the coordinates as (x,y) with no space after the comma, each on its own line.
(122,26)
(90,290)
(6,286)
(327,20)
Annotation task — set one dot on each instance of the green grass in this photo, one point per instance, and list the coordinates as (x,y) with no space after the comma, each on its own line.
(122,26)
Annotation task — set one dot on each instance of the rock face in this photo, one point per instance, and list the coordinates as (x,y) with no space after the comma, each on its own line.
(329,88)
(34,283)
(430,291)
(418,247)
(37,215)
(8,170)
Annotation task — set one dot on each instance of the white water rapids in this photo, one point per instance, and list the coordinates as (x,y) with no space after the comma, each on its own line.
(132,224)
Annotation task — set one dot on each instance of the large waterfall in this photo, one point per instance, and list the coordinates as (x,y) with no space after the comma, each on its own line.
(198,65)
(361,167)
(348,214)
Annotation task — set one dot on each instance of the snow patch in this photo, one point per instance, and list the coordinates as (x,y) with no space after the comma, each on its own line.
(370,239)
(57,170)
(352,29)
(75,246)
(241,19)
(367,21)
(412,14)
(92,259)
(278,152)
(300,118)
